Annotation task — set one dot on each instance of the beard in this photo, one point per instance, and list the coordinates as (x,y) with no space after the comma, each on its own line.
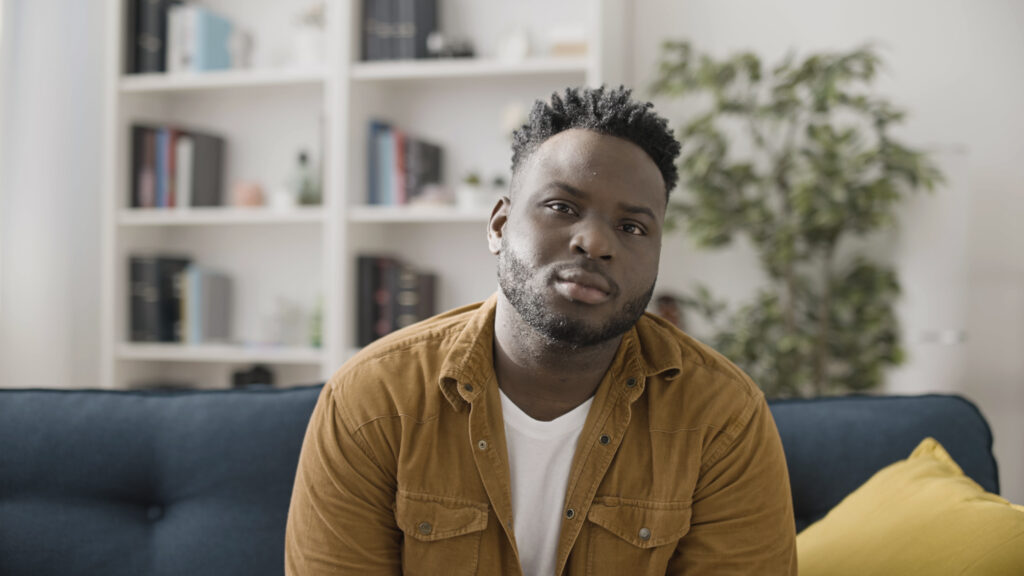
(514,278)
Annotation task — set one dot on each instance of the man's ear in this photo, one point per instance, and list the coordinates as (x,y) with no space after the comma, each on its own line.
(496,225)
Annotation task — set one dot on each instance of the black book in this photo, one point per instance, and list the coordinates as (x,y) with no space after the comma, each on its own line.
(171,291)
(383,314)
(144,299)
(385,18)
(414,20)
(137,165)
(366,270)
(130,45)
(207,169)
(371,32)
(151,35)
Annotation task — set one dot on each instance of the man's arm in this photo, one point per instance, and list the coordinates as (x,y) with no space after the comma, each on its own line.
(341,519)
(742,520)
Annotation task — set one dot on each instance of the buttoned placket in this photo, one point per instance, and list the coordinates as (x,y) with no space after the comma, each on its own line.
(602,444)
(490,455)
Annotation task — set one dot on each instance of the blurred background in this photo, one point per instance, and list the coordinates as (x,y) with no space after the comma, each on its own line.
(232,192)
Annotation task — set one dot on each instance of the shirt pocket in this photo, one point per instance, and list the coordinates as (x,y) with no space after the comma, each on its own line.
(442,534)
(634,536)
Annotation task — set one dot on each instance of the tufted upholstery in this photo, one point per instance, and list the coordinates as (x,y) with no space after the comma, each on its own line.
(198,483)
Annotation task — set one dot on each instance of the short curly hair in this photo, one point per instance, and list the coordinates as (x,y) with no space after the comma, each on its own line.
(612,112)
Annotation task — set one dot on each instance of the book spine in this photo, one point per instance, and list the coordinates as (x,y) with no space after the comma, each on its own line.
(383,316)
(161,168)
(213,41)
(170,291)
(427,291)
(183,170)
(385,28)
(131,34)
(398,169)
(172,148)
(404,29)
(136,168)
(147,185)
(373,155)
(371,51)
(425,22)
(144,299)
(404,291)
(385,163)
(151,35)
(366,269)
(207,169)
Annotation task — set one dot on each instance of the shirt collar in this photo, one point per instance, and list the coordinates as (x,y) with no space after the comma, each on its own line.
(646,350)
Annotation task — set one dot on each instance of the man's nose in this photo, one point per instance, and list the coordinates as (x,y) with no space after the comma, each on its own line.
(593,240)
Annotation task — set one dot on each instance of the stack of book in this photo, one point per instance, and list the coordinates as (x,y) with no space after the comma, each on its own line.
(392,295)
(172,299)
(170,36)
(172,167)
(400,167)
(397,29)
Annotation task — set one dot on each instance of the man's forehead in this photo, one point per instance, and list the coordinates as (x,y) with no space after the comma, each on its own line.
(585,153)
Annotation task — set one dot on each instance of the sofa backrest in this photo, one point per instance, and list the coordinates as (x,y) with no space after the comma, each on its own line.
(199,482)
(158,484)
(833,445)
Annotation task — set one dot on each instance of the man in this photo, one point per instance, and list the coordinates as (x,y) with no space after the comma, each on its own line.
(555,428)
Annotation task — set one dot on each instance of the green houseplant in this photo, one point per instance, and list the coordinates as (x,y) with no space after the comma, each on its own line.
(817,165)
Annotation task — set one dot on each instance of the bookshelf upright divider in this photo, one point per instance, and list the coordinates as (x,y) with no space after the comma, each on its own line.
(309,253)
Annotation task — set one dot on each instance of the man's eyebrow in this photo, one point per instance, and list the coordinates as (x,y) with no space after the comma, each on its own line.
(631,208)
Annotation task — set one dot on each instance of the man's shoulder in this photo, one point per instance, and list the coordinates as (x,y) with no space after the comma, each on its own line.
(695,375)
(398,374)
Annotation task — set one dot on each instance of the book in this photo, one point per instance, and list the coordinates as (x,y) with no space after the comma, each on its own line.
(150,35)
(373,168)
(391,295)
(183,152)
(207,166)
(198,39)
(172,167)
(414,20)
(155,292)
(206,306)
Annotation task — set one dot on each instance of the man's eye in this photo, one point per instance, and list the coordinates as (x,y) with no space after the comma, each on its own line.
(561,207)
(632,229)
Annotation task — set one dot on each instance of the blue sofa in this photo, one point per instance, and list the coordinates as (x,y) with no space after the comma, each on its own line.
(196,483)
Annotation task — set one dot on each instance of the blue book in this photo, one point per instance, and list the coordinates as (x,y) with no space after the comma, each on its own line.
(386,167)
(213,41)
(161,168)
(373,190)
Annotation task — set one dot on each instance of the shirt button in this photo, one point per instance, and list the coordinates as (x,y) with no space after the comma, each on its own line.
(425,528)
(645,534)
(605,439)
(570,513)
(631,382)
(468,387)
(482,444)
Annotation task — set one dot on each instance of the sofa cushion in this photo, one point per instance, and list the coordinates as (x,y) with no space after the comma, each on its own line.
(918,516)
(113,483)
(833,445)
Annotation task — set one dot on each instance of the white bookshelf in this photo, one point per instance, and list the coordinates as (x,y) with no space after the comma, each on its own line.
(267,113)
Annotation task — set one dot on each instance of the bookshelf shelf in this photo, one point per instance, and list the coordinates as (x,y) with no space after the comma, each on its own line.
(227,354)
(163,83)
(140,217)
(415,214)
(465,68)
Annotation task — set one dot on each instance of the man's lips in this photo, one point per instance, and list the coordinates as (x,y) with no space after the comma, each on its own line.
(582,286)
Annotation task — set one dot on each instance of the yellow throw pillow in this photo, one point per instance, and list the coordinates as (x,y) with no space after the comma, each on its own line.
(921,516)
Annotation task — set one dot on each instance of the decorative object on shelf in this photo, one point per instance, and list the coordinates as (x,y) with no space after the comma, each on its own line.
(246,193)
(567,41)
(308,44)
(440,45)
(258,375)
(514,46)
(823,167)
(172,167)
(473,195)
(391,295)
(397,29)
(305,182)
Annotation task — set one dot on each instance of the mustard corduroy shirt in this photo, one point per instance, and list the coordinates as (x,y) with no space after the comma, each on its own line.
(404,469)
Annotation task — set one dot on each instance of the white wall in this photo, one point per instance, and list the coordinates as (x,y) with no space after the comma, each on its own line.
(955,65)
(50,177)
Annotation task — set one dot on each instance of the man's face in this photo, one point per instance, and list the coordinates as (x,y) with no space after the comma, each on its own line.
(579,243)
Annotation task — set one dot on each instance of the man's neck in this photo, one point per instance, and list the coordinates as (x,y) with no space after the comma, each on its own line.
(545,379)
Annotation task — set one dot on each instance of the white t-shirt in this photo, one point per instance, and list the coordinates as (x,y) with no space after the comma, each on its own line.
(540,456)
